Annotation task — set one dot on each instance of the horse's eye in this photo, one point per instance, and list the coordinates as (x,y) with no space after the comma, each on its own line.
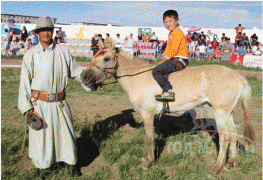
(106,59)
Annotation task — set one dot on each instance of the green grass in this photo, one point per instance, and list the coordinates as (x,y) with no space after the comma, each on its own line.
(256,85)
(187,162)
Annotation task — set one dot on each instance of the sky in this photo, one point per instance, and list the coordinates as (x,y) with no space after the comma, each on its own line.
(205,14)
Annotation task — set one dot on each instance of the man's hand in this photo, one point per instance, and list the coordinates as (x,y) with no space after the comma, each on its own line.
(31,110)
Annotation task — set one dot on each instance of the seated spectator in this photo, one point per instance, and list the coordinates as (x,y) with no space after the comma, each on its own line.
(202,51)
(210,52)
(241,50)
(255,47)
(239,29)
(254,39)
(238,39)
(214,43)
(146,39)
(245,42)
(35,41)
(154,38)
(29,44)
(217,52)
(223,41)
(202,39)
(15,38)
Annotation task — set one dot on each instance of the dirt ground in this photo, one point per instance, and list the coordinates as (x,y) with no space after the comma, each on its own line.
(102,108)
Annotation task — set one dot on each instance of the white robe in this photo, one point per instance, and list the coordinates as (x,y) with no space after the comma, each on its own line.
(48,71)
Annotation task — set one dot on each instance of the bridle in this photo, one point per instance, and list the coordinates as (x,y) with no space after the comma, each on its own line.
(106,71)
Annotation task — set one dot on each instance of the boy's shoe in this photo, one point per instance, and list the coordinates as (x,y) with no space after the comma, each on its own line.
(165,96)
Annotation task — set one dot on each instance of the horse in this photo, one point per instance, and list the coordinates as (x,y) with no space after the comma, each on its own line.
(217,85)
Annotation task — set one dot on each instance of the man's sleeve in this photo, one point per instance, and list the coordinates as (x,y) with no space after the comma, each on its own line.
(24,97)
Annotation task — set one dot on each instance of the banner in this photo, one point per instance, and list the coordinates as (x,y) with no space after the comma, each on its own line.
(145,31)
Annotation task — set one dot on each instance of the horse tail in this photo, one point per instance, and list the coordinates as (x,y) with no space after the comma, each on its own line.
(246,96)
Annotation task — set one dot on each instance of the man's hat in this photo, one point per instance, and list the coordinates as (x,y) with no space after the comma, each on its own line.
(43,22)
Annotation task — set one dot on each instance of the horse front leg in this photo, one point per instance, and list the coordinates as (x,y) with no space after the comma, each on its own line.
(149,129)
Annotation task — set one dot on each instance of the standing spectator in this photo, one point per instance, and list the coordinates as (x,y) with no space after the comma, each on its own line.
(188,38)
(254,39)
(35,41)
(195,37)
(7,43)
(140,36)
(42,89)
(214,43)
(61,35)
(131,41)
(154,38)
(223,37)
(118,41)
(238,39)
(239,29)
(223,40)
(245,41)
(202,51)
(202,39)
(24,34)
(227,49)
(108,41)
(95,44)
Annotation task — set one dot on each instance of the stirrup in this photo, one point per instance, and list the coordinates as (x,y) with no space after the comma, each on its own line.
(165,97)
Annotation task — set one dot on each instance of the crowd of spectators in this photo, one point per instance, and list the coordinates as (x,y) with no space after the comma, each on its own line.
(201,47)
(26,41)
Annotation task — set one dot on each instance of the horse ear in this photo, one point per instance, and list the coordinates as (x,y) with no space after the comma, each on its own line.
(101,44)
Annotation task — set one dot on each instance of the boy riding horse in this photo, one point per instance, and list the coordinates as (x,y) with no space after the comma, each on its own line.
(175,57)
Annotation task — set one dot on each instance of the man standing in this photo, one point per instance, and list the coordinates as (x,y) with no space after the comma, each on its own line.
(7,42)
(95,44)
(239,28)
(44,79)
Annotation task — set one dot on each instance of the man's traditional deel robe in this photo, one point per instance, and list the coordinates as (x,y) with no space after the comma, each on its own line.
(48,70)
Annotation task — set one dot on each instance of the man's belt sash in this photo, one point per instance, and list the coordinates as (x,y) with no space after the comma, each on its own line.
(39,95)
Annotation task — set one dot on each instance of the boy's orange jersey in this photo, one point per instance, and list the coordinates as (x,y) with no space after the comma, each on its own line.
(176,45)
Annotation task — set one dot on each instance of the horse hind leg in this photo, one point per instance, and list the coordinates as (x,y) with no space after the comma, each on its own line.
(224,130)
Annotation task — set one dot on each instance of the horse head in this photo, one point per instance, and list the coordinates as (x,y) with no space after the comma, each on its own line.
(103,66)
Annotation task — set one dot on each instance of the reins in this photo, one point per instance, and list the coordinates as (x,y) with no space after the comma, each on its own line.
(115,67)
